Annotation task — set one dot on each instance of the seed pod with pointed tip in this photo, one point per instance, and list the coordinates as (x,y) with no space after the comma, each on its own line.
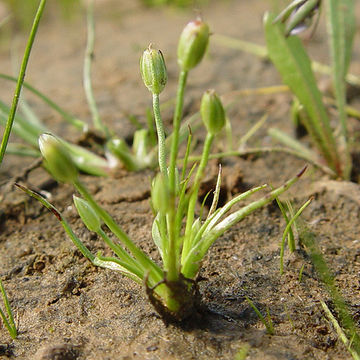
(212,112)
(153,70)
(192,44)
(57,159)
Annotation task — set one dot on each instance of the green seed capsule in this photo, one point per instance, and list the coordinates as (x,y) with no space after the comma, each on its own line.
(57,159)
(153,70)
(192,44)
(160,194)
(87,214)
(212,112)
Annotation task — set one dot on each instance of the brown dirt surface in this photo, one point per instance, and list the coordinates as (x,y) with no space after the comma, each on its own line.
(66,309)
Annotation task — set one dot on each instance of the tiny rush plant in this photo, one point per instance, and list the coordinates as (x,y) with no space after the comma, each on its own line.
(181,236)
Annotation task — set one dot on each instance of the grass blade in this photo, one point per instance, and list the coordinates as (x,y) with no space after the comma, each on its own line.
(341,28)
(339,331)
(9,323)
(21,78)
(78,243)
(89,54)
(308,238)
(291,60)
(266,321)
(286,232)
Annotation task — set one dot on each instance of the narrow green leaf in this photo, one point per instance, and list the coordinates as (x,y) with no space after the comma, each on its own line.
(341,29)
(291,60)
(78,243)
(21,77)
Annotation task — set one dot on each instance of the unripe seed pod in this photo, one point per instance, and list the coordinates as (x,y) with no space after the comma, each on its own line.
(160,194)
(153,70)
(212,112)
(57,159)
(87,214)
(192,44)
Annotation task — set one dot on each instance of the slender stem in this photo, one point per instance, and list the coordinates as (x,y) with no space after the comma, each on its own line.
(89,55)
(176,128)
(161,135)
(194,194)
(140,256)
(20,80)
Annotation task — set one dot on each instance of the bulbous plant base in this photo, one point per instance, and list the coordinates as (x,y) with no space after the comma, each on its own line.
(184,291)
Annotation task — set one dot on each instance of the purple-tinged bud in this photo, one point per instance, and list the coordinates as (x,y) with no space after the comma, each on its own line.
(192,44)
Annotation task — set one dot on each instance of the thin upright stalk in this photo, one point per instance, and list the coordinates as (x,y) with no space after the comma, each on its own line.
(161,135)
(194,194)
(20,80)
(89,55)
(176,128)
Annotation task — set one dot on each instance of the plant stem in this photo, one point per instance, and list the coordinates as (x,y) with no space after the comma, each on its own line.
(176,128)
(161,135)
(20,80)
(89,55)
(194,194)
(156,273)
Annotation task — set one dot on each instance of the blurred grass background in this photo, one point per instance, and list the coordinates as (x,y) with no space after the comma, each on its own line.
(22,11)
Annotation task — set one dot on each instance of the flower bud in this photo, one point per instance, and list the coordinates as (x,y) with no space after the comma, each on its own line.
(212,112)
(57,159)
(160,194)
(192,44)
(153,70)
(87,214)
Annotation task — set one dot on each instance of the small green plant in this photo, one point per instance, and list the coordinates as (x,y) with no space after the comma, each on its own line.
(9,320)
(290,58)
(182,237)
(288,231)
(265,320)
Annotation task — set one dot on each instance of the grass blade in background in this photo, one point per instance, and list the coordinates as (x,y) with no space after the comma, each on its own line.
(89,54)
(8,321)
(308,239)
(21,78)
(291,60)
(341,27)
